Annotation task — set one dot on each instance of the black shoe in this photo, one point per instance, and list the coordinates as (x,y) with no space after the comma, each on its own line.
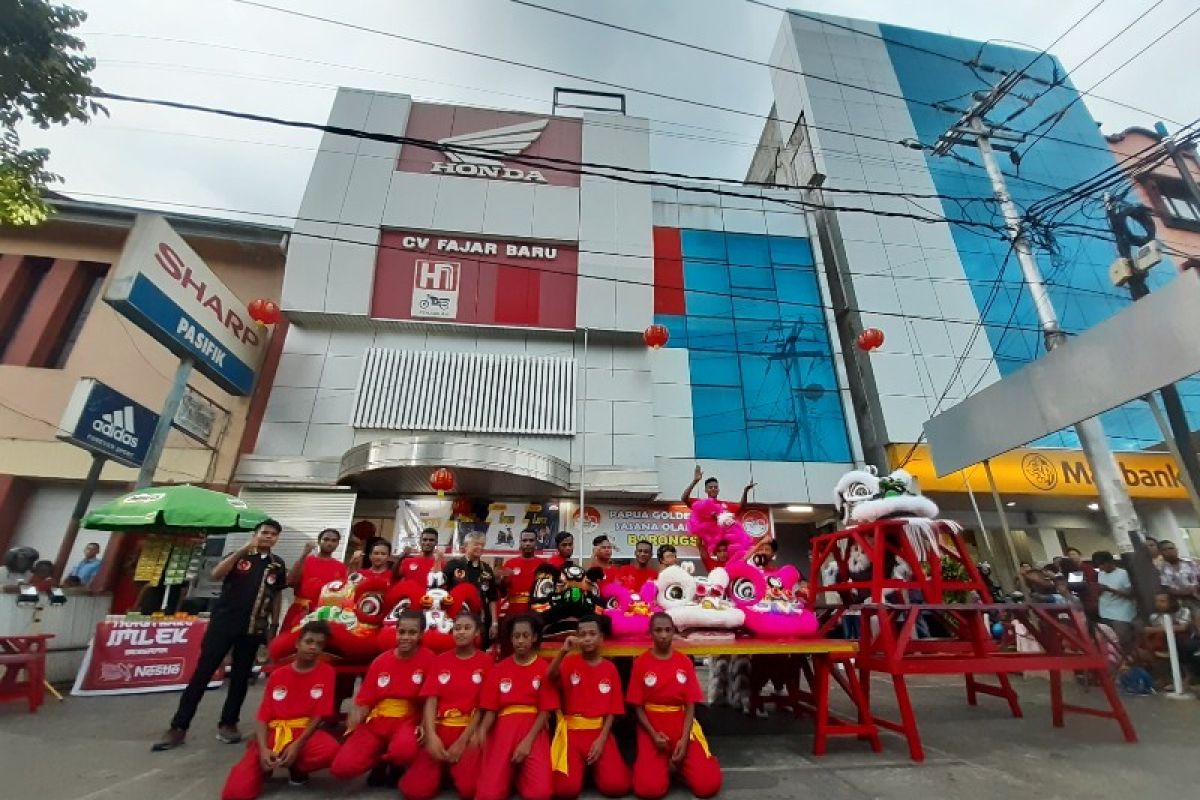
(173,738)
(296,777)
(229,734)
(379,775)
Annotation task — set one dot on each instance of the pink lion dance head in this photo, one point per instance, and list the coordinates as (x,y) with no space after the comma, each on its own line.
(769,602)
(712,522)
(628,612)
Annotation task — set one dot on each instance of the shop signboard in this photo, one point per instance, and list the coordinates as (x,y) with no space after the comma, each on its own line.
(626,524)
(501,522)
(129,656)
(166,289)
(101,419)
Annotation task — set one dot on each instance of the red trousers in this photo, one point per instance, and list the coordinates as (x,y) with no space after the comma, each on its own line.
(245,781)
(496,768)
(423,779)
(391,739)
(651,770)
(610,773)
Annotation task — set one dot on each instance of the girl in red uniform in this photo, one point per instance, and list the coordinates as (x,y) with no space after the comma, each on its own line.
(309,575)
(517,696)
(664,690)
(297,697)
(591,698)
(451,723)
(387,709)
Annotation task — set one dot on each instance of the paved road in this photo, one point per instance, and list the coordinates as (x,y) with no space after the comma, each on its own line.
(98,749)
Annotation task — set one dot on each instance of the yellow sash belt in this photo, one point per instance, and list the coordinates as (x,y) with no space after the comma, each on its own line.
(559,745)
(510,710)
(392,707)
(697,734)
(453,718)
(285,731)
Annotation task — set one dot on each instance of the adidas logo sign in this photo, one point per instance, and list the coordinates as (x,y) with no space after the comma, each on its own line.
(118,426)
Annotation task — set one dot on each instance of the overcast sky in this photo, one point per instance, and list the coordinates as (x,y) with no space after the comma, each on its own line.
(234,55)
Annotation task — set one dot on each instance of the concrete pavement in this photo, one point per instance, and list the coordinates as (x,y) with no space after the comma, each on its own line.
(99,749)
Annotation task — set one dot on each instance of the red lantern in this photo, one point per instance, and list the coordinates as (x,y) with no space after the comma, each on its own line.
(461,507)
(442,480)
(656,336)
(870,339)
(264,312)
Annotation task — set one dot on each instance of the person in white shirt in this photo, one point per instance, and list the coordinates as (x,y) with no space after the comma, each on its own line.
(1117,608)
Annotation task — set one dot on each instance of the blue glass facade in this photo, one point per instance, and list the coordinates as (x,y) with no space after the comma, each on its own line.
(763,381)
(1074,151)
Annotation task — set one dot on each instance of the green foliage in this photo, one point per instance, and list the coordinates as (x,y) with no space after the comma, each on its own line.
(954,571)
(43,80)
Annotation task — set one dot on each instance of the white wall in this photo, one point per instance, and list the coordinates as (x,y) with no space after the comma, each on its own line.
(45,519)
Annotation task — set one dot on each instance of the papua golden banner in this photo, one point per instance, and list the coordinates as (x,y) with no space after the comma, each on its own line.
(1049,472)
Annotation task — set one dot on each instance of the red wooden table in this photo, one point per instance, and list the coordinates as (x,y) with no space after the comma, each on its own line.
(24,655)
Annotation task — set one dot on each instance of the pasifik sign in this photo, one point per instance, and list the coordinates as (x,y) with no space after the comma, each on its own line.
(138,656)
(474,281)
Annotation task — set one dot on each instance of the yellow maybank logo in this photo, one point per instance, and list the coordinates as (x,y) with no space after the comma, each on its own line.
(1052,472)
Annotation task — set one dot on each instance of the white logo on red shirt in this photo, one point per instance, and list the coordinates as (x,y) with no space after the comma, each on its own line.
(316,691)
(477,676)
(280,693)
(516,570)
(681,676)
(650,679)
(505,686)
(604,687)
(537,683)
(384,679)
(575,678)
(444,678)
(418,676)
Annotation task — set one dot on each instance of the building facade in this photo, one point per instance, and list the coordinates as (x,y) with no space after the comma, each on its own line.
(913,246)
(480,304)
(55,329)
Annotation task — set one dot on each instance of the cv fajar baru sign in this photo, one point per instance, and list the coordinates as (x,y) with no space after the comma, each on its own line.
(167,290)
(139,656)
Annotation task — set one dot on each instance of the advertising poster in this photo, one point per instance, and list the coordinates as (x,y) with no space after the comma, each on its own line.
(658,524)
(139,656)
(504,521)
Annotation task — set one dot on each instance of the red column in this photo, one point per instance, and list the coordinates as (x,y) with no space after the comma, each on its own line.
(14,285)
(50,314)
(14,492)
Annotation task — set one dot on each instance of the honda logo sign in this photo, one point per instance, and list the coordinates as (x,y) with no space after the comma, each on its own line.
(435,291)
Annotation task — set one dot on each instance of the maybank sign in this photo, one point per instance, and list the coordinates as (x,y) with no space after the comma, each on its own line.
(163,287)
(101,419)
(1050,472)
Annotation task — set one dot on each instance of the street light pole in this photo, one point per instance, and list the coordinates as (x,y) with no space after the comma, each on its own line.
(1114,497)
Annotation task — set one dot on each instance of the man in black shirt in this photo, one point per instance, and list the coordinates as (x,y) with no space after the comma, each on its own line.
(471,569)
(252,579)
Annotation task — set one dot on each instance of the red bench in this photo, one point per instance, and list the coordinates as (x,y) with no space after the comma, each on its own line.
(23,661)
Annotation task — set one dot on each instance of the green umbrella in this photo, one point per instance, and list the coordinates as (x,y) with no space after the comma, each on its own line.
(175,508)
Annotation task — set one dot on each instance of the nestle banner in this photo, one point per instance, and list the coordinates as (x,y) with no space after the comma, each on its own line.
(139,656)
(657,524)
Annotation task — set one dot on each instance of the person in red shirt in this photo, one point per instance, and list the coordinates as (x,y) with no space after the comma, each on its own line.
(517,696)
(418,567)
(387,709)
(602,553)
(298,696)
(517,576)
(450,720)
(564,545)
(310,573)
(664,690)
(635,574)
(591,697)
(376,575)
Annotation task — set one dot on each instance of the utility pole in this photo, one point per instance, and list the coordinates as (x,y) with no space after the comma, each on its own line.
(973,129)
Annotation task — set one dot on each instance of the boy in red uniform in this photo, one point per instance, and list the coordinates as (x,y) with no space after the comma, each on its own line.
(591,698)
(517,696)
(602,553)
(664,689)
(418,567)
(635,575)
(297,697)
(310,573)
(387,708)
(517,575)
(564,545)
(450,721)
